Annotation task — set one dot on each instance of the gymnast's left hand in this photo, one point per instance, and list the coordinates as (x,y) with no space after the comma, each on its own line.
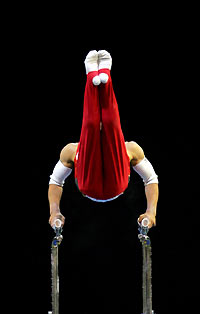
(151,217)
(55,216)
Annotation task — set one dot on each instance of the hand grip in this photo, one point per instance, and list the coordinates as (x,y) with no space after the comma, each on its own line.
(57,224)
(145,223)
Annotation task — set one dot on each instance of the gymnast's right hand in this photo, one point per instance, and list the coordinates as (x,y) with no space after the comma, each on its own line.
(54,216)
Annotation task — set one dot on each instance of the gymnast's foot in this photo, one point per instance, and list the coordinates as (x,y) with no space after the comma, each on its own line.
(91,65)
(105,62)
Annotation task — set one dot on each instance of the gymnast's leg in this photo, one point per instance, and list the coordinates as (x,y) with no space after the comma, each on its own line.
(89,164)
(116,164)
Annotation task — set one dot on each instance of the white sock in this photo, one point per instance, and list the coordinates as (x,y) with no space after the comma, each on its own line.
(105,60)
(91,61)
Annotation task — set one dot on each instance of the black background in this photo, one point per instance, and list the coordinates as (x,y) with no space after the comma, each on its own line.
(154,81)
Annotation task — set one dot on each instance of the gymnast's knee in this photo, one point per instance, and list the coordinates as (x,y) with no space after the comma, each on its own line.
(92,124)
(111,123)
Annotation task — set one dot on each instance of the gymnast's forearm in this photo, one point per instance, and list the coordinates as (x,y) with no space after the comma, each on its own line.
(54,196)
(151,192)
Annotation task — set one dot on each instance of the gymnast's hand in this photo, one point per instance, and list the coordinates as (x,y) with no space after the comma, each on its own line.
(150,216)
(55,216)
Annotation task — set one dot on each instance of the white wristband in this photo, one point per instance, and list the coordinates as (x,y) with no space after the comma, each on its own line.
(146,172)
(60,173)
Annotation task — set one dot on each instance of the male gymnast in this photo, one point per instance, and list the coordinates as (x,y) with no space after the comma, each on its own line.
(102,159)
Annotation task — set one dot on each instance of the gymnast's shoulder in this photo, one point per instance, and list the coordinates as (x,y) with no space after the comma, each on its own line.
(135,152)
(68,153)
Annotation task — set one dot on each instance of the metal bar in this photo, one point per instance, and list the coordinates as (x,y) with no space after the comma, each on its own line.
(147,268)
(55,280)
(144,281)
(149,286)
(54,267)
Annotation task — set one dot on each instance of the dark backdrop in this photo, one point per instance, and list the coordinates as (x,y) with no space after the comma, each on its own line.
(100,268)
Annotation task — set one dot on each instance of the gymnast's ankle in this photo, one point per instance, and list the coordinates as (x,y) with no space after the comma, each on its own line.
(91,65)
(105,63)
(91,61)
(104,75)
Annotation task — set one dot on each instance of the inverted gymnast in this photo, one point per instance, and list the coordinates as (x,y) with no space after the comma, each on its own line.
(102,159)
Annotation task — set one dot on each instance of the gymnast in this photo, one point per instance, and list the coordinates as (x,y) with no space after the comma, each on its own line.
(101,159)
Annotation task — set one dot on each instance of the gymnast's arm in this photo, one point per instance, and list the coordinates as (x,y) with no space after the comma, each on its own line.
(144,168)
(61,171)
